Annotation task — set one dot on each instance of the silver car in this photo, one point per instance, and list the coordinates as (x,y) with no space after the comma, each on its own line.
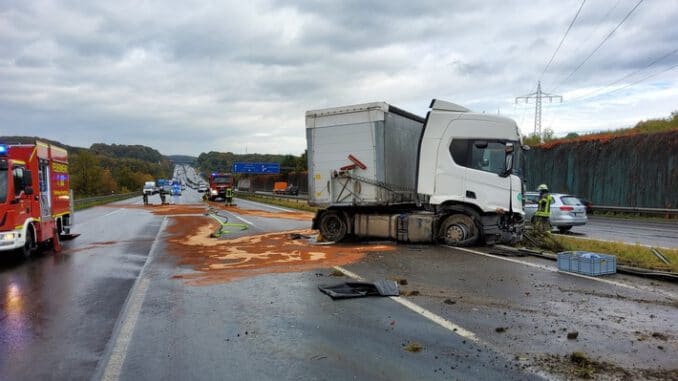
(566,210)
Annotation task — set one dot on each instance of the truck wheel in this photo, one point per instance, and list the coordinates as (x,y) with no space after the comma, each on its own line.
(564,229)
(29,247)
(459,230)
(332,226)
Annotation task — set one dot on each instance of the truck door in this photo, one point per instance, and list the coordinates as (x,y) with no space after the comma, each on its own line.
(45,191)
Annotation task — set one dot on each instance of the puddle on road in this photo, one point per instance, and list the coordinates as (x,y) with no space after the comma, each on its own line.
(218,261)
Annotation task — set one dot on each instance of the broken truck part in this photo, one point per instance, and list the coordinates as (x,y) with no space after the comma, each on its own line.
(36,204)
(379,171)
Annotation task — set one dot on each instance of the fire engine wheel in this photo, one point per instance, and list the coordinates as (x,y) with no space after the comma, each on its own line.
(459,230)
(332,226)
(29,247)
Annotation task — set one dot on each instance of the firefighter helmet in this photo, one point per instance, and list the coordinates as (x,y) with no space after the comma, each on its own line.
(543,188)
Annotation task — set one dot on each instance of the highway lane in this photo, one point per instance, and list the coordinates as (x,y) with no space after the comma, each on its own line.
(279,326)
(110,307)
(642,231)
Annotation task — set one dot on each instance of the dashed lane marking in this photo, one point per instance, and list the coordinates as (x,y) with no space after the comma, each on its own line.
(439,320)
(130,316)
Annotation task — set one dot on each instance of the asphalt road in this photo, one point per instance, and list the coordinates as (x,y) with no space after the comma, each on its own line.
(642,231)
(110,307)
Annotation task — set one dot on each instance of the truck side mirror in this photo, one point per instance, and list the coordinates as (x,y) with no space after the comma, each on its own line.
(508,162)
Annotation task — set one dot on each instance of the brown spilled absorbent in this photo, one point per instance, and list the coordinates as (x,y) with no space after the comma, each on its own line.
(290,215)
(164,210)
(218,261)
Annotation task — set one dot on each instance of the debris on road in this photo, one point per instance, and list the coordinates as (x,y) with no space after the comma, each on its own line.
(413,347)
(410,293)
(336,272)
(500,329)
(361,289)
(222,260)
(572,335)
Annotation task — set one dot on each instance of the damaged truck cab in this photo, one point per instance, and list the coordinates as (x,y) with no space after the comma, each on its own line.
(379,171)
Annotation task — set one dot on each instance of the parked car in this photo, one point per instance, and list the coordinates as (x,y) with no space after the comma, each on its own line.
(292,190)
(566,210)
(202,188)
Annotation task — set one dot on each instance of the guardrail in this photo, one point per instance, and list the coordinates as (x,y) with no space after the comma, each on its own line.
(80,202)
(632,209)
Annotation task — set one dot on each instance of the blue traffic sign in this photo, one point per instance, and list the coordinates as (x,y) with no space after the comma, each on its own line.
(257,168)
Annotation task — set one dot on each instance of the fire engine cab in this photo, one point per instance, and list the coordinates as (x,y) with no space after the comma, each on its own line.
(36,204)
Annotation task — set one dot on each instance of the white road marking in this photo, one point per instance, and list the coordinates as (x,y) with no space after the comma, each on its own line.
(130,316)
(241,219)
(113,212)
(441,321)
(553,269)
(267,205)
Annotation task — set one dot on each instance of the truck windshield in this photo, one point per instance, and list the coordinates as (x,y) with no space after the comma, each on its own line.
(3,186)
(222,180)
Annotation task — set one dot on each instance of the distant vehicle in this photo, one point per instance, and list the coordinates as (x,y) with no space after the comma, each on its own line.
(566,210)
(149,188)
(219,182)
(292,190)
(202,188)
(279,187)
(176,189)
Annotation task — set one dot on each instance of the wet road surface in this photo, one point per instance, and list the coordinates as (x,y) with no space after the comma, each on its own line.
(110,307)
(642,231)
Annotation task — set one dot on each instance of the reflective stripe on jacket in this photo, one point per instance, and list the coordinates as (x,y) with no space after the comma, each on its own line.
(544,206)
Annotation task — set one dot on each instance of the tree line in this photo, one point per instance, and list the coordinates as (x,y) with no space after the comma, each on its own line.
(106,169)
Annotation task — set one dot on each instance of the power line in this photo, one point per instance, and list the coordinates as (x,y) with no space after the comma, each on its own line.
(626,76)
(641,80)
(600,44)
(563,39)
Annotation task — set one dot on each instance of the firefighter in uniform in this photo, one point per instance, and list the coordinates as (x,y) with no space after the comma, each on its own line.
(543,209)
(229,196)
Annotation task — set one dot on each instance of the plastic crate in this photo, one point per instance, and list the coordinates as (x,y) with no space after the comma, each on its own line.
(584,262)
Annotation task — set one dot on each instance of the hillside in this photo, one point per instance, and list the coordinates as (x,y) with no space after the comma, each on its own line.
(104,169)
(223,161)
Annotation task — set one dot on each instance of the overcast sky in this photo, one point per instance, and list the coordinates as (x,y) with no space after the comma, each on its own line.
(236,76)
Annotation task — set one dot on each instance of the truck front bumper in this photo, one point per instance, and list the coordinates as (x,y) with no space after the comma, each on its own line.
(11,240)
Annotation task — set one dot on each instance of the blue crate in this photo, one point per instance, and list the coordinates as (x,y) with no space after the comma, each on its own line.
(584,262)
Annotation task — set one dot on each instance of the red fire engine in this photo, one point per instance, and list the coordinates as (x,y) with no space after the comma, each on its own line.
(36,204)
(219,183)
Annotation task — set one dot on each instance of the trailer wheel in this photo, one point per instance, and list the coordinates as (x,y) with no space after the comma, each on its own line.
(332,226)
(459,230)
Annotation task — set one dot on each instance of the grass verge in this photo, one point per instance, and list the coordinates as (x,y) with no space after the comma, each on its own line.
(284,202)
(627,254)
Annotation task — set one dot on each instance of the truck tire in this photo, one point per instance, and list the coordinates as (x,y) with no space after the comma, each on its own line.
(459,230)
(333,226)
(564,229)
(29,246)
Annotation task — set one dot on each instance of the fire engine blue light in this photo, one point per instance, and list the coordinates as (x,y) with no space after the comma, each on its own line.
(3,149)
